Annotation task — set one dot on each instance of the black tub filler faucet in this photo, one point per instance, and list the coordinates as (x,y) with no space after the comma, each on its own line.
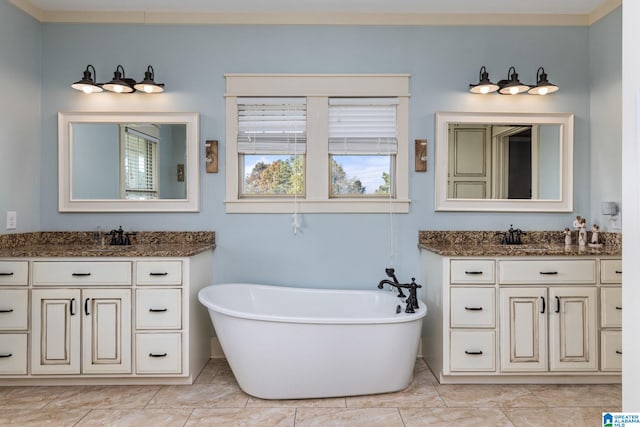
(412,299)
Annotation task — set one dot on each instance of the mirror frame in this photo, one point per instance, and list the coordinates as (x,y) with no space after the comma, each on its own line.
(563,204)
(192,174)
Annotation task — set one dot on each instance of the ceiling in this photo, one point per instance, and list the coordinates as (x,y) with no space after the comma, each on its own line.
(579,7)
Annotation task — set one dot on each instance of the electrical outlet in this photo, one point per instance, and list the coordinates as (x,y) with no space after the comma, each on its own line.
(11,220)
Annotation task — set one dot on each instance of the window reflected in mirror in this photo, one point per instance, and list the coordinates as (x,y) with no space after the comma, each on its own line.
(129,161)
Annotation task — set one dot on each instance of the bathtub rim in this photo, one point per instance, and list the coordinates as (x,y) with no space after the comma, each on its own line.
(397,318)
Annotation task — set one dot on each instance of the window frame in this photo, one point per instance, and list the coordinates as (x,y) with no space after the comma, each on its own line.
(151,143)
(317,88)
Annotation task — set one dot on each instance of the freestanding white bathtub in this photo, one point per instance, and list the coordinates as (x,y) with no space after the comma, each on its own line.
(295,343)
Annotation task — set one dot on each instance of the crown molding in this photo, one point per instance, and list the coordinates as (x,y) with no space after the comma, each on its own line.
(602,11)
(405,19)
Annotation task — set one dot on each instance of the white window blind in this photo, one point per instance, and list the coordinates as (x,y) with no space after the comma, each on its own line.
(362,126)
(272,125)
(140,160)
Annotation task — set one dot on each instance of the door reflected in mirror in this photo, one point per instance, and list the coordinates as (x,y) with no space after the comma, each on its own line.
(504,161)
(130,161)
(509,162)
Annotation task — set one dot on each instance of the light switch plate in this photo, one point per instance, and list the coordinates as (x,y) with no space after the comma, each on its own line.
(11,220)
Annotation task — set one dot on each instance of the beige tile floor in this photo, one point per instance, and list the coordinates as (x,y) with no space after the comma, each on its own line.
(216,400)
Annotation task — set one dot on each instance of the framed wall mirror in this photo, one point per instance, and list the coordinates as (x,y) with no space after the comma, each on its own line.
(128,162)
(509,162)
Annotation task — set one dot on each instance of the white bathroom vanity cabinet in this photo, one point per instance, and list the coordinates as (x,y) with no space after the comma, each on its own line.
(103,320)
(522,319)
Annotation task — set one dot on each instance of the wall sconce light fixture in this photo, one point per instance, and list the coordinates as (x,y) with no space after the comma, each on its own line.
(119,84)
(88,82)
(484,84)
(512,85)
(148,84)
(542,86)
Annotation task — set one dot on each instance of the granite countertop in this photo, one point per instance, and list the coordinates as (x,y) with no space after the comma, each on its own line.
(82,244)
(535,243)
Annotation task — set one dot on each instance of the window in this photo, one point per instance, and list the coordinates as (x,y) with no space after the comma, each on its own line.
(271,145)
(362,146)
(140,165)
(321,143)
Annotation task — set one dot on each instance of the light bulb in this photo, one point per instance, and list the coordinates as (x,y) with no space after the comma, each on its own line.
(148,88)
(513,90)
(87,89)
(484,90)
(117,88)
(543,91)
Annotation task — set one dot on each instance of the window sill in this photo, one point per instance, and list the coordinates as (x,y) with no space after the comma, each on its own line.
(318,206)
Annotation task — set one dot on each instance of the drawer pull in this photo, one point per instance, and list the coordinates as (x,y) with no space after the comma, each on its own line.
(81,274)
(6,310)
(557,305)
(6,274)
(618,307)
(157,354)
(548,273)
(544,305)
(473,308)
(158,310)
(86,307)
(473,353)
(618,351)
(618,271)
(473,273)
(72,305)
(159,274)
(5,355)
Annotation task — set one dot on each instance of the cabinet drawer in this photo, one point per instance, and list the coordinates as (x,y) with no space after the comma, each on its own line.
(14,273)
(13,309)
(611,271)
(547,271)
(159,353)
(611,307)
(472,271)
(159,273)
(13,354)
(473,307)
(81,273)
(611,351)
(473,351)
(158,309)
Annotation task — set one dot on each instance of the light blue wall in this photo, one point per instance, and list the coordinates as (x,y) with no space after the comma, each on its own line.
(20,118)
(332,249)
(96,161)
(605,69)
(549,162)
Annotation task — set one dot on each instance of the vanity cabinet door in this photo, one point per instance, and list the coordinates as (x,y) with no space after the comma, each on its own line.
(55,334)
(106,331)
(573,329)
(611,307)
(523,329)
